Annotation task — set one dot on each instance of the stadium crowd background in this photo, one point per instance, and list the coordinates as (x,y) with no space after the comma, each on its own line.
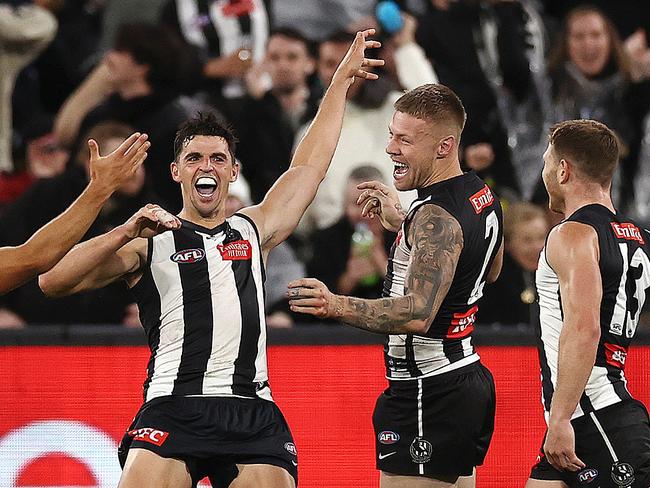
(74,69)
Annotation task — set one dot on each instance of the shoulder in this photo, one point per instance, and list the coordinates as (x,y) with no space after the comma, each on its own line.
(432,222)
(572,244)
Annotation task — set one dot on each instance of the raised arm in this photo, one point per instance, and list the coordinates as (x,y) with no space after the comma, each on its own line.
(437,241)
(285,203)
(47,246)
(573,253)
(117,254)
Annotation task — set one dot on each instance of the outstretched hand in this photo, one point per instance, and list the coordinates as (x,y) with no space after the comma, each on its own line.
(149,221)
(354,64)
(113,170)
(310,296)
(381,201)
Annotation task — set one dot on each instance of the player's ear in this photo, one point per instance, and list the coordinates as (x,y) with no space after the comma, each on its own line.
(563,171)
(175,172)
(446,146)
(235,171)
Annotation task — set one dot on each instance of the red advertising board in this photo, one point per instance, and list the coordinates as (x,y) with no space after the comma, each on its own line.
(63,410)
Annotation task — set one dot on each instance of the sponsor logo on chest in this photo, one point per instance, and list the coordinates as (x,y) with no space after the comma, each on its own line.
(236,251)
(481,199)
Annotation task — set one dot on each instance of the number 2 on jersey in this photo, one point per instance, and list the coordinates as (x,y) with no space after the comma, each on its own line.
(491,232)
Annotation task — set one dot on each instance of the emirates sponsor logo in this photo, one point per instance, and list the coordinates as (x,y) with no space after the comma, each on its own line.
(627,231)
(482,199)
(236,250)
(147,434)
(615,355)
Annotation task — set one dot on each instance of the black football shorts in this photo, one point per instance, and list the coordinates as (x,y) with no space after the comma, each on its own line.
(212,435)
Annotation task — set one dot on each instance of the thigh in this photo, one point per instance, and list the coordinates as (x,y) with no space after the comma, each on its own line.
(145,469)
(262,476)
(389,480)
(531,483)
(467,481)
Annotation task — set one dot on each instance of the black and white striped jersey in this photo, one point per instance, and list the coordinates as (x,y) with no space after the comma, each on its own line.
(625,272)
(447,344)
(221,28)
(201,301)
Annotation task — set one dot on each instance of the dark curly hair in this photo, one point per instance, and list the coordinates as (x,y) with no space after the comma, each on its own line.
(204,124)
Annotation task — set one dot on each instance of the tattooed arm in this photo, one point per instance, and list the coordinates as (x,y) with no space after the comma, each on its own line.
(436,242)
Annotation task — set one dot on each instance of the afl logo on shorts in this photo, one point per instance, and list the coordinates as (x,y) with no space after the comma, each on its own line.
(388,437)
(623,474)
(291,448)
(421,450)
(188,256)
(586,476)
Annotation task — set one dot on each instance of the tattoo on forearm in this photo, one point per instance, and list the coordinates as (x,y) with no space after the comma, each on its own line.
(437,242)
(400,210)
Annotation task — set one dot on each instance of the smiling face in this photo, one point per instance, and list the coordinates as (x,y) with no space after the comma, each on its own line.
(414,145)
(204,168)
(588,43)
(288,62)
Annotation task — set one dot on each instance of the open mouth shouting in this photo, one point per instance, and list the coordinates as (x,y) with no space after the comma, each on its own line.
(399,170)
(206,186)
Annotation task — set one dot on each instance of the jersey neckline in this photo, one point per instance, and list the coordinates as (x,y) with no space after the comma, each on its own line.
(215,230)
(428,190)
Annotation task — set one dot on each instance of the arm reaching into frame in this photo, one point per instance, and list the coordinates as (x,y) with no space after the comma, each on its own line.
(117,254)
(285,203)
(437,243)
(48,245)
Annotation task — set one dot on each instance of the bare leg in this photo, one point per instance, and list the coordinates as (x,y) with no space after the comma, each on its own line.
(388,480)
(262,476)
(467,481)
(144,469)
(545,484)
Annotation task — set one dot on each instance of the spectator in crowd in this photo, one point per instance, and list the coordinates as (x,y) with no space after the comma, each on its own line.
(511,299)
(227,36)
(593,77)
(367,115)
(45,84)
(25,31)
(45,200)
(477,47)
(280,99)
(351,256)
(136,83)
(43,157)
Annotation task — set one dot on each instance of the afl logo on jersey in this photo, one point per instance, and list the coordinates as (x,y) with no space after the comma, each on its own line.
(188,256)
(481,199)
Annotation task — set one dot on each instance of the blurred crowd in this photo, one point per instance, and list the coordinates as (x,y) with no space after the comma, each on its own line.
(71,70)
